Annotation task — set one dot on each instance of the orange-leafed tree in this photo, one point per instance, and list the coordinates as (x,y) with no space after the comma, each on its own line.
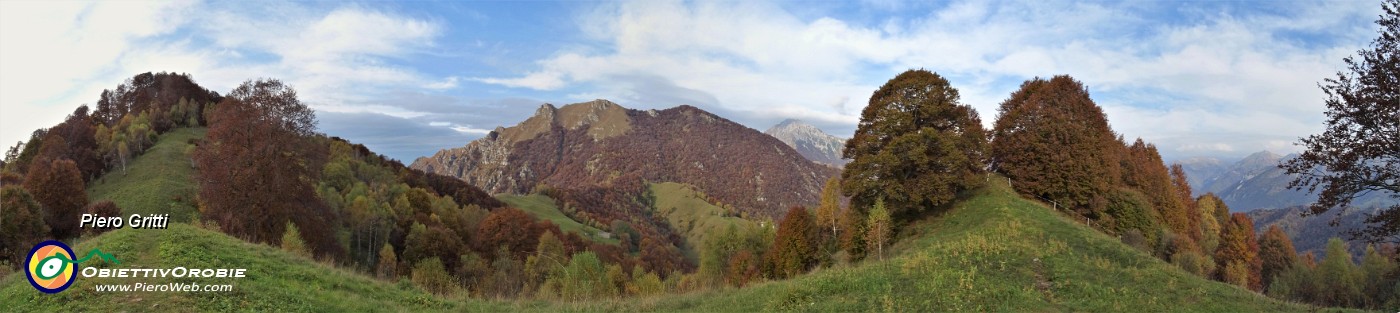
(1237,258)
(1055,143)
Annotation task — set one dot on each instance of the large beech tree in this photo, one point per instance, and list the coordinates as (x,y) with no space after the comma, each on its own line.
(916,146)
(1054,142)
(254,168)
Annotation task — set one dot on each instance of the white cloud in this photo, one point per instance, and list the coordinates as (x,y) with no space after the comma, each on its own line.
(57,55)
(1230,77)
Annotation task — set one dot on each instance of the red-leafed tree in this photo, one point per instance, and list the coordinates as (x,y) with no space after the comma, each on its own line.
(511,228)
(794,248)
(255,171)
(58,187)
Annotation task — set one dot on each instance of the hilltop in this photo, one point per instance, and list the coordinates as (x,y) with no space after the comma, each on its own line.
(600,143)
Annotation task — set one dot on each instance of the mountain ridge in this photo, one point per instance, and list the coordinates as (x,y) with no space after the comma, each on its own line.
(600,143)
(810,141)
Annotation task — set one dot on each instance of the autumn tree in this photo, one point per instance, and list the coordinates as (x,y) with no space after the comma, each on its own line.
(853,230)
(916,146)
(1192,224)
(1357,152)
(21,224)
(58,187)
(254,170)
(828,213)
(1237,258)
(1055,143)
(102,208)
(1276,254)
(794,249)
(510,228)
(1210,207)
(387,263)
(878,232)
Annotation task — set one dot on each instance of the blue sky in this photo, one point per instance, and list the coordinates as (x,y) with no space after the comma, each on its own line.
(1198,78)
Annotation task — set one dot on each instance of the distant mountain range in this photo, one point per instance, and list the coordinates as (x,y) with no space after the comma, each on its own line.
(811,142)
(598,143)
(1255,182)
(1310,234)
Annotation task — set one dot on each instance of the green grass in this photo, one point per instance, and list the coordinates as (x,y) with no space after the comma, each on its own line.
(158,181)
(687,211)
(543,207)
(994,252)
(276,280)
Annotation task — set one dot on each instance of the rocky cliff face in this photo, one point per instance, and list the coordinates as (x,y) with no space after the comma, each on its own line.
(811,142)
(600,143)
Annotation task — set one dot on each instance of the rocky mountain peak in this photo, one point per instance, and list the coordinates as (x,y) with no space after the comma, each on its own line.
(810,141)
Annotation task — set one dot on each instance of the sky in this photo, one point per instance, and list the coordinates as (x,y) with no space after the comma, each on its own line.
(1197,78)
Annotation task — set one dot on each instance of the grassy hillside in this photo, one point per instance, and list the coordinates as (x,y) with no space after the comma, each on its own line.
(158,181)
(994,252)
(276,281)
(688,213)
(543,207)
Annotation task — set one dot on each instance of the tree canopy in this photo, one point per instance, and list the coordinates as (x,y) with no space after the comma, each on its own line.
(1358,151)
(916,146)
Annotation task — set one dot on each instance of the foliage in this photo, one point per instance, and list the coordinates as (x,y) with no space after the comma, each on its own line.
(430,275)
(388,262)
(292,242)
(102,208)
(57,186)
(916,146)
(828,215)
(1054,142)
(1238,254)
(21,224)
(585,278)
(853,230)
(254,167)
(1276,254)
(794,249)
(878,233)
(1356,152)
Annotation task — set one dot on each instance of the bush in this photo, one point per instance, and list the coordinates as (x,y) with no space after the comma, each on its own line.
(430,275)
